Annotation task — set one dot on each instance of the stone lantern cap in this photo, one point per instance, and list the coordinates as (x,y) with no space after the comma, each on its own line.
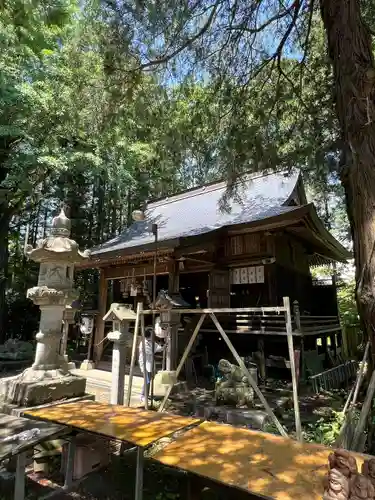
(57,246)
(120,312)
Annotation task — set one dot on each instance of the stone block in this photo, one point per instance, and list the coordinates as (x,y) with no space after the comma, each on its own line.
(162,381)
(254,419)
(87,365)
(166,377)
(18,392)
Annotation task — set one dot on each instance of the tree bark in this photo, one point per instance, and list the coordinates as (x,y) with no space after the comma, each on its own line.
(4,263)
(349,47)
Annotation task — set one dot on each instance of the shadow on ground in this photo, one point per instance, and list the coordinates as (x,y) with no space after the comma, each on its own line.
(116,482)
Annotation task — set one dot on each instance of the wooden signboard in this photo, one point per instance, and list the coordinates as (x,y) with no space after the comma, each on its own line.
(247,275)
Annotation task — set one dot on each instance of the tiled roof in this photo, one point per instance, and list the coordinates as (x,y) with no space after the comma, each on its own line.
(197,211)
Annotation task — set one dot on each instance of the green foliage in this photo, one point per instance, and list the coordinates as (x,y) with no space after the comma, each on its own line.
(80,123)
(325,431)
(347,305)
(73,129)
(265,99)
(167,496)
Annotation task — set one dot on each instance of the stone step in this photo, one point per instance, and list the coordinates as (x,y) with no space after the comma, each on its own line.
(251,418)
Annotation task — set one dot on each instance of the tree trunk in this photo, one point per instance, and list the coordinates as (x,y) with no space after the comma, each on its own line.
(100,208)
(4,261)
(349,47)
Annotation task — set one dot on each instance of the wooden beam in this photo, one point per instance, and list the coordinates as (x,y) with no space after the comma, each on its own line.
(123,258)
(198,249)
(102,306)
(173,287)
(134,353)
(289,330)
(123,271)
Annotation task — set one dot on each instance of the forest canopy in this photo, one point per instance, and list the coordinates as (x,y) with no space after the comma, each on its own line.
(107,104)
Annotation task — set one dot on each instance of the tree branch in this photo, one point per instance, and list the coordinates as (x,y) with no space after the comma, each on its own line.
(307,37)
(167,57)
(253,31)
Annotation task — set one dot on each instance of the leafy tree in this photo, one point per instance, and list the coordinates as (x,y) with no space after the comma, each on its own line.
(74,131)
(29,32)
(243,47)
(347,305)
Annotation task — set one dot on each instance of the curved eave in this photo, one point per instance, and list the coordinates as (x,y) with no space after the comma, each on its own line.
(337,250)
(45,255)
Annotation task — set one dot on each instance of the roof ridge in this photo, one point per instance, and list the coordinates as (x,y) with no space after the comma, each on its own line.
(213,186)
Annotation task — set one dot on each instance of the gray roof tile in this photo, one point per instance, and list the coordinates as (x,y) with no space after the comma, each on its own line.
(197,211)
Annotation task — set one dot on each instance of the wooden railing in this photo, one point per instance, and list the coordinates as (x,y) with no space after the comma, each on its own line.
(243,323)
(312,325)
(273,323)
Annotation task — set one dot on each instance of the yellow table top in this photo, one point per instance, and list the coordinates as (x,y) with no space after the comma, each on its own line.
(136,426)
(260,463)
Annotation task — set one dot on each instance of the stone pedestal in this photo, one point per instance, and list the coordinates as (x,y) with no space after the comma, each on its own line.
(118,367)
(162,381)
(49,379)
(34,391)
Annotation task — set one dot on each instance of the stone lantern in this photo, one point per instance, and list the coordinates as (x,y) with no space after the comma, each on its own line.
(121,315)
(49,379)
(165,303)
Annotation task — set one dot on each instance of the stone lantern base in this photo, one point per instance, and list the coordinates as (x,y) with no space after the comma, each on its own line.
(34,388)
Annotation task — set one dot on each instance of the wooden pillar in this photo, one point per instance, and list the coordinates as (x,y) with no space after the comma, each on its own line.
(300,340)
(173,287)
(102,306)
(270,271)
(262,359)
(270,276)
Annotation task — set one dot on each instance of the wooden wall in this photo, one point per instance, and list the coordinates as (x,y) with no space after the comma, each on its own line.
(290,252)
(252,244)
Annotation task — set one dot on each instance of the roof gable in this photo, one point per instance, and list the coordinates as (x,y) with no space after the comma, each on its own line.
(120,312)
(197,211)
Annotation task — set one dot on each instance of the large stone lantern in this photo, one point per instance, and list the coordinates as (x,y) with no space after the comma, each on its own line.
(49,379)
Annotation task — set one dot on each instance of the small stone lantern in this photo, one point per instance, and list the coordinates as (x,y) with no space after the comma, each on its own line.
(49,379)
(86,328)
(164,304)
(121,315)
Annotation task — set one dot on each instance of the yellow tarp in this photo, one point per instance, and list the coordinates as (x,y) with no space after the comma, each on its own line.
(253,461)
(136,426)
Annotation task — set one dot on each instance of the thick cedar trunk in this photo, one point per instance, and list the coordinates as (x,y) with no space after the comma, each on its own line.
(349,46)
